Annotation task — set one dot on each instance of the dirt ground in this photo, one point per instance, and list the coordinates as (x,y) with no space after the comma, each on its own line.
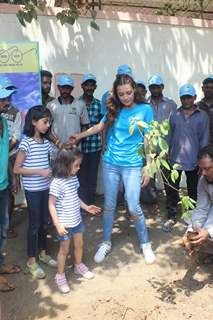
(124,287)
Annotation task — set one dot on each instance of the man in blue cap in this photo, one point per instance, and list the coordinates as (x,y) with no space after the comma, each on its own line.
(13,117)
(91,146)
(4,196)
(206,103)
(141,88)
(189,132)
(69,114)
(162,106)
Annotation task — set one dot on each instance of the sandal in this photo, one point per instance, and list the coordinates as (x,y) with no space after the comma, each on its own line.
(10,269)
(48,260)
(35,270)
(5,286)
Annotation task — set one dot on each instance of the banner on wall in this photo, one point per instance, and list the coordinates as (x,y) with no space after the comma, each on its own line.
(20,63)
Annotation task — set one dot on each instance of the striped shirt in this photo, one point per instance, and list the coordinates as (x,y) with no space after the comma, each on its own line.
(37,156)
(67,202)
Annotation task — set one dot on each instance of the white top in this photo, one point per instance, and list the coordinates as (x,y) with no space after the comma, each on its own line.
(37,156)
(67,202)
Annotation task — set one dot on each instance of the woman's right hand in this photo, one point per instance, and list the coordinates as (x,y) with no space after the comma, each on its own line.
(74,139)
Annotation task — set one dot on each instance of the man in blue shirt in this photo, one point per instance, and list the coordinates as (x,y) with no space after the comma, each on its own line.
(189,132)
(4,219)
(91,146)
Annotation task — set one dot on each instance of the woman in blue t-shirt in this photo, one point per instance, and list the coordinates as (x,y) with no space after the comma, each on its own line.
(121,161)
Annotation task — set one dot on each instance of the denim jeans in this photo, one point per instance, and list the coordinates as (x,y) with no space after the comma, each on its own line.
(88,176)
(4,221)
(131,178)
(37,203)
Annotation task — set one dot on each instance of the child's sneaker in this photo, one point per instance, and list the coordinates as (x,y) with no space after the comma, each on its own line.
(148,253)
(104,248)
(48,260)
(61,282)
(82,270)
(35,270)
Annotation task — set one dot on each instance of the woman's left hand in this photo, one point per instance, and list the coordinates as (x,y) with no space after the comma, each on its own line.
(145,180)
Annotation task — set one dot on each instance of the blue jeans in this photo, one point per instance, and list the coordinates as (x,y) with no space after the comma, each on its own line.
(71,231)
(88,176)
(4,221)
(131,178)
(37,204)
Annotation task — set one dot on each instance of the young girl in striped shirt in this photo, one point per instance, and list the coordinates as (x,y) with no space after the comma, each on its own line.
(64,206)
(33,163)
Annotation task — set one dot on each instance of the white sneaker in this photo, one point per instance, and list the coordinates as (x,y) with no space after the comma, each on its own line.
(104,248)
(148,253)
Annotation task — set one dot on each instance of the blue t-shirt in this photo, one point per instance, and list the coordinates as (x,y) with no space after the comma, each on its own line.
(121,145)
(4,154)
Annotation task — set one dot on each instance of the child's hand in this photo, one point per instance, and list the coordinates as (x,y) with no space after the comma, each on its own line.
(16,184)
(93,210)
(61,230)
(47,173)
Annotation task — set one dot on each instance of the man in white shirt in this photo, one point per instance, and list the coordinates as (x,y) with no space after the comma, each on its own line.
(69,114)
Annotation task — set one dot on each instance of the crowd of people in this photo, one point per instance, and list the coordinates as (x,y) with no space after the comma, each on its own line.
(57,156)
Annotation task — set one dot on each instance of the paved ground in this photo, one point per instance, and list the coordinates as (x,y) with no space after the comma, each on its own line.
(124,288)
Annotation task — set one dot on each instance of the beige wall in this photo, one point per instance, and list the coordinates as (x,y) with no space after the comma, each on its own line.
(179,53)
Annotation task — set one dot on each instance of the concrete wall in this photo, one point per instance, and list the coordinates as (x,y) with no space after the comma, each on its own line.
(178,49)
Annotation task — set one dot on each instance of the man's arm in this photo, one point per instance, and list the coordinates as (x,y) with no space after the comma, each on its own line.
(16,131)
(200,213)
(204,131)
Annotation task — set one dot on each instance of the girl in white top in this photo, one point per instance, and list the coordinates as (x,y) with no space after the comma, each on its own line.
(64,206)
(32,162)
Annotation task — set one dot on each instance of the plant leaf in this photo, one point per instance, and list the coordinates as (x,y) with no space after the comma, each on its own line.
(132,128)
(165,164)
(174,175)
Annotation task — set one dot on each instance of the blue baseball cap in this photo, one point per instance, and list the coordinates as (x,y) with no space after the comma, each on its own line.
(4,93)
(65,80)
(6,83)
(155,80)
(187,90)
(88,76)
(141,82)
(124,69)
(209,77)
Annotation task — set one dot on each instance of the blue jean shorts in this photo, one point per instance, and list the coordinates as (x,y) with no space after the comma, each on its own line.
(78,229)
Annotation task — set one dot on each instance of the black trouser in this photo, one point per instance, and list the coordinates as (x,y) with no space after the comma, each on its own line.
(37,204)
(88,176)
(172,195)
